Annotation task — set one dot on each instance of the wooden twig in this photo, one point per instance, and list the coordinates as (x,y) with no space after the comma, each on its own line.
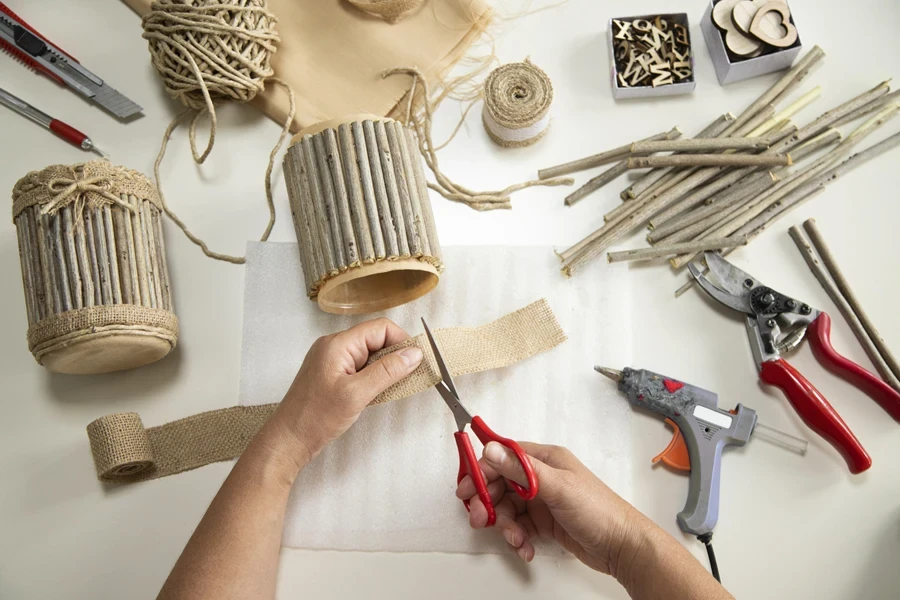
(765,113)
(596,183)
(368,188)
(758,225)
(781,87)
(653,177)
(332,158)
(844,306)
(700,195)
(380,188)
(698,144)
(755,185)
(788,112)
(871,107)
(604,158)
(353,187)
(710,160)
(843,286)
(676,249)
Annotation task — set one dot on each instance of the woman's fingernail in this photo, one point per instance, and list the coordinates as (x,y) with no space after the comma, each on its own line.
(495,454)
(523,553)
(412,356)
(512,538)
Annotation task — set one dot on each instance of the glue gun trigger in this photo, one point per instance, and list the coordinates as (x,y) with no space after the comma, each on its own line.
(676,453)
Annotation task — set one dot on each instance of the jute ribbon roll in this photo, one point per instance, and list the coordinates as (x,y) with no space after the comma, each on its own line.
(94,268)
(517,99)
(364,223)
(124,451)
(389,10)
(208,52)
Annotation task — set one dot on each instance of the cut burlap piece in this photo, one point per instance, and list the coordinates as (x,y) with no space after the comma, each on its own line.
(125,452)
(332,55)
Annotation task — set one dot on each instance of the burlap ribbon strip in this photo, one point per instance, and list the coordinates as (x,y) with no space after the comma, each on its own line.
(125,452)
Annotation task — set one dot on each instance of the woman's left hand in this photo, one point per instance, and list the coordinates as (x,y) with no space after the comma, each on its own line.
(332,388)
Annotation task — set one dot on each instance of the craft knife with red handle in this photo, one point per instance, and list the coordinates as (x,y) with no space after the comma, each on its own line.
(777,324)
(23,42)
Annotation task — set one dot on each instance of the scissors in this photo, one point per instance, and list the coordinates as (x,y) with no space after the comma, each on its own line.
(468,462)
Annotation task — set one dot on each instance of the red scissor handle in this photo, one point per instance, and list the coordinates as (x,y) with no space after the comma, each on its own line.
(486,436)
(816,412)
(468,465)
(878,390)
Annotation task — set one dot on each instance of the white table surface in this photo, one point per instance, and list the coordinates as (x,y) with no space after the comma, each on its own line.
(790,527)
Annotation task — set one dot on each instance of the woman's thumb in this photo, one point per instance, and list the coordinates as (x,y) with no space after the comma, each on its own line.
(505,462)
(387,371)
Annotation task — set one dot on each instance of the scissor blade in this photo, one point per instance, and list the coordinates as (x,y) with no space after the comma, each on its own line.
(730,278)
(442,366)
(738,303)
(460,414)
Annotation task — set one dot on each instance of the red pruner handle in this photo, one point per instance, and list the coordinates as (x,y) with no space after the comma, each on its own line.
(874,387)
(67,132)
(468,465)
(486,435)
(816,412)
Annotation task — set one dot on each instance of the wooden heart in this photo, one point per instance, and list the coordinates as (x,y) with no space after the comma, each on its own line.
(735,39)
(743,14)
(790,32)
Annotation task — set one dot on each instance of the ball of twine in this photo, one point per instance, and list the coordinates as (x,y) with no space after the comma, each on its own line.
(206,51)
(209,51)
(389,10)
(517,99)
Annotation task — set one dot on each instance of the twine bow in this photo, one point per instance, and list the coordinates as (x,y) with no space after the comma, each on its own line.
(93,191)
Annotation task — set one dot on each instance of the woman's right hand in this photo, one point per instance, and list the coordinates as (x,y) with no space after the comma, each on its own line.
(572,507)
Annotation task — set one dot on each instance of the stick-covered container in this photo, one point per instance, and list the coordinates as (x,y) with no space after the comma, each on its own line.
(94,268)
(361,211)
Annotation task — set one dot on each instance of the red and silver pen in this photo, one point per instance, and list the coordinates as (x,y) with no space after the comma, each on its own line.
(66,132)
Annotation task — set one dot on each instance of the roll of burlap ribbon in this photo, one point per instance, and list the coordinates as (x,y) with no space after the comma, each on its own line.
(125,452)
(389,10)
(517,99)
(208,52)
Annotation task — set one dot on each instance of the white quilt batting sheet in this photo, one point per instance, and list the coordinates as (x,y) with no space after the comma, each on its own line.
(388,484)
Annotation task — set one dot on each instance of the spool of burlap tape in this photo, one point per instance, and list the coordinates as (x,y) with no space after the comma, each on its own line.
(125,451)
(517,99)
(94,268)
(364,223)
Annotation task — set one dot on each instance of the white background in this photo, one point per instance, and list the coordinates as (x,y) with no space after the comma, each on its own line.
(789,527)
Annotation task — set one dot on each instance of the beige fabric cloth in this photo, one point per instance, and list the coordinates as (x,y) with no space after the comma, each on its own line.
(332,55)
(125,452)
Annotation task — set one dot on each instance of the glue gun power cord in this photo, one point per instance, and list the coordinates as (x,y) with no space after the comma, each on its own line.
(706,538)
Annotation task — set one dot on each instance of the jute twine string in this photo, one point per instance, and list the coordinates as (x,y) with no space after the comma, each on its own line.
(517,99)
(420,119)
(65,191)
(391,11)
(207,52)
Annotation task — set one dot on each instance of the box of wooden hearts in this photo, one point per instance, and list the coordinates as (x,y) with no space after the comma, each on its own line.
(748,38)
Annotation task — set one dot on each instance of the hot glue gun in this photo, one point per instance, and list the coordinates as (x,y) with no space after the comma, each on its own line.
(701,431)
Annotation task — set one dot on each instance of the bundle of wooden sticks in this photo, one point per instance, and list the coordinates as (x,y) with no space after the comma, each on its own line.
(728,184)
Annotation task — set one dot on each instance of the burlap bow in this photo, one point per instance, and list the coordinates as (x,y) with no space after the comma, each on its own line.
(92,191)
